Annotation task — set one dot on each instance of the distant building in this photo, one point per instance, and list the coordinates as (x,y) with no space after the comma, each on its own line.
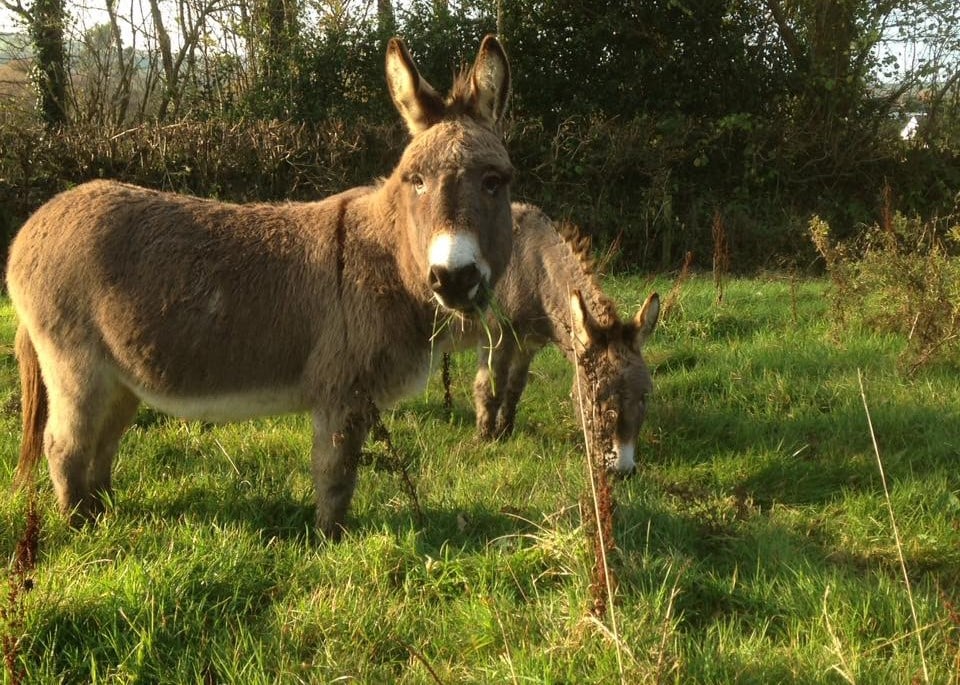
(909,130)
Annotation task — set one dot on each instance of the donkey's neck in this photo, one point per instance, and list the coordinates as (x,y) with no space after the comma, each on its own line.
(568,269)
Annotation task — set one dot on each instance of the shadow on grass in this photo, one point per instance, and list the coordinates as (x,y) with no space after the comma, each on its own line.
(811,457)
(284,517)
(279,516)
(431,408)
(191,609)
(743,568)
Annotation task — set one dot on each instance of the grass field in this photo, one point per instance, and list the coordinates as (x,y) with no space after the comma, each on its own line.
(755,543)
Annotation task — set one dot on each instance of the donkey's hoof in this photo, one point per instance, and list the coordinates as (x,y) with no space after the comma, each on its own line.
(488,432)
(331,531)
(620,473)
(82,516)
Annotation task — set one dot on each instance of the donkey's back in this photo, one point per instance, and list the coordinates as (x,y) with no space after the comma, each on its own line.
(178,297)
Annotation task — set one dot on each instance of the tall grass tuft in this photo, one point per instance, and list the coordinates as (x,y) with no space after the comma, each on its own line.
(721,254)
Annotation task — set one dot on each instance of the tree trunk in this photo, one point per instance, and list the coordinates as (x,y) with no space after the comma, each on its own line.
(166,58)
(121,95)
(46,31)
(386,20)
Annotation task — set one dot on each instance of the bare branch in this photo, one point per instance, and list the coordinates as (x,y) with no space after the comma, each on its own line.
(17,8)
(787,34)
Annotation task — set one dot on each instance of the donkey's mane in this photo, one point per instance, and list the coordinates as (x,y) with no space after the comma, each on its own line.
(581,247)
(461,100)
(460,94)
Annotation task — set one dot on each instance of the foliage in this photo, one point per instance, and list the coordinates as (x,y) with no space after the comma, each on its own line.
(660,58)
(255,161)
(902,276)
(641,122)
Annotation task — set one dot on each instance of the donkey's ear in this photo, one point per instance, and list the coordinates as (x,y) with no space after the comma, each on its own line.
(645,321)
(416,100)
(490,82)
(584,327)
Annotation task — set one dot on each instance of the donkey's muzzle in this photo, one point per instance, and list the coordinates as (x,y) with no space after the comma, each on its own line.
(462,288)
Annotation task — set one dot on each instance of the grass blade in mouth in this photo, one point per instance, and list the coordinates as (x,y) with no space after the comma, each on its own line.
(503,321)
(443,320)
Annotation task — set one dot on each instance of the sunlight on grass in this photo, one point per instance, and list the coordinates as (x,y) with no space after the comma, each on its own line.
(753,545)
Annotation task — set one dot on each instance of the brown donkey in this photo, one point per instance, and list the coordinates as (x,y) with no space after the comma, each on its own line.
(222,312)
(549,295)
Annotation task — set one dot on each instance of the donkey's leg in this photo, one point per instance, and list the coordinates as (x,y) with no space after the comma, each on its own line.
(336,455)
(120,413)
(79,406)
(513,389)
(487,390)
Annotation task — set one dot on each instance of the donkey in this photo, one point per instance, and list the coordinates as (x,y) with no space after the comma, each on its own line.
(549,295)
(222,312)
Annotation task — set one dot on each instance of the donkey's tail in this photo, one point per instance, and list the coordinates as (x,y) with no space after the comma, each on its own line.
(33,405)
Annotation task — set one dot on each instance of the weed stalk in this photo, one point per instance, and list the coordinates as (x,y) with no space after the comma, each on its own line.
(380,433)
(600,530)
(721,254)
(673,297)
(896,531)
(447,392)
(13,613)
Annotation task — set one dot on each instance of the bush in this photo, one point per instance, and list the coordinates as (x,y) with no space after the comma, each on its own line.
(902,276)
(646,188)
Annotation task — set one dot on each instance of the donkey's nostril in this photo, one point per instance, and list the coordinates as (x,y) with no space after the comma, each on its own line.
(460,280)
(437,277)
(469,277)
(458,288)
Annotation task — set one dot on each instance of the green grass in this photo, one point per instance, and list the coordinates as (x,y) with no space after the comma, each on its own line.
(754,544)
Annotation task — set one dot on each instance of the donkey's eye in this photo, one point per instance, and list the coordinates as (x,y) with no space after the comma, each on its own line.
(419,185)
(491,183)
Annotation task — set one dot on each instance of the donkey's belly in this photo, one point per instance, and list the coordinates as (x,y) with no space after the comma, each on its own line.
(406,385)
(235,406)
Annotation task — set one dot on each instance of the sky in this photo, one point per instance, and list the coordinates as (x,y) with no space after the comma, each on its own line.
(86,14)
(89,13)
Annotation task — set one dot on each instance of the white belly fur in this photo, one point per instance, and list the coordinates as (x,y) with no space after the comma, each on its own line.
(262,402)
(412,385)
(228,407)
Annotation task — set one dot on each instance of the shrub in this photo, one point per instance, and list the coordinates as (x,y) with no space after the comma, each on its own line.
(901,275)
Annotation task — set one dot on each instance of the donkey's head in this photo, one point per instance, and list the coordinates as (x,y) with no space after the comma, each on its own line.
(613,377)
(454,176)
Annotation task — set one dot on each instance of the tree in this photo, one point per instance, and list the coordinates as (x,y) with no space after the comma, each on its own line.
(273,43)
(178,64)
(125,66)
(386,19)
(45,20)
